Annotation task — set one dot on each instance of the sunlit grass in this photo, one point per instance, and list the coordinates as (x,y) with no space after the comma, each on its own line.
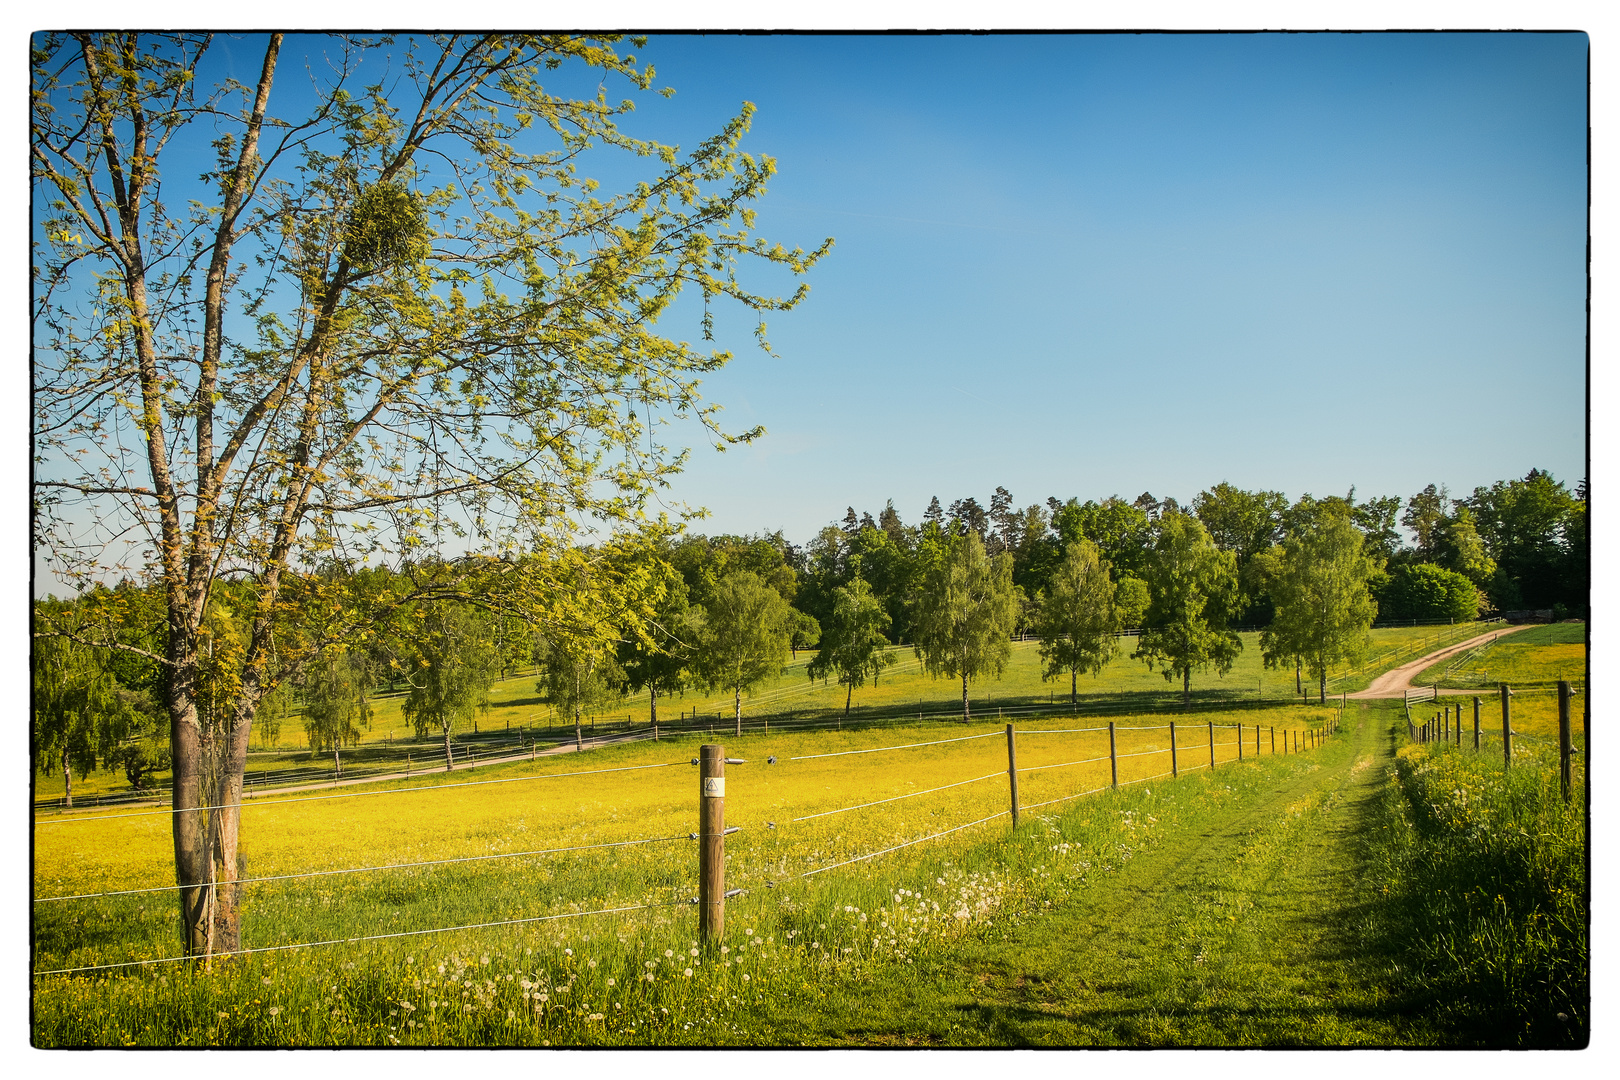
(891,907)
(1536,656)
(1482,888)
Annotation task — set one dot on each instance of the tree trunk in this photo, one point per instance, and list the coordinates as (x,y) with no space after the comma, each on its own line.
(1074,679)
(579,730)
(652,690)
(229,866)
(964,698)
(1186,687)
(187,822)
(736,704)
(449,754)
(848,694)
(1298,689)
(1322,688)
(67,779)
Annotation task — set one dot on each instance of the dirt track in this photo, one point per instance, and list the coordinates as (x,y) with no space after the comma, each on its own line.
(1397,681)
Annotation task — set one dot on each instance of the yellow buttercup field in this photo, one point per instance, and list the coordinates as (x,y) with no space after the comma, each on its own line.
(586,864)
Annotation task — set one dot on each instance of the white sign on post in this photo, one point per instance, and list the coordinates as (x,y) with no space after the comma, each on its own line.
(714,787)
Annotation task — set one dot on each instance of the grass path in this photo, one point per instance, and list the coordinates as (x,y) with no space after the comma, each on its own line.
(1242,930)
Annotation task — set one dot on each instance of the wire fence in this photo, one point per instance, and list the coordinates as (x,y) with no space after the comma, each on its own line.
(1114,757)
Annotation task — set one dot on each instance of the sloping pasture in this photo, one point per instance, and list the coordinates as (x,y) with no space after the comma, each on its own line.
(610,932)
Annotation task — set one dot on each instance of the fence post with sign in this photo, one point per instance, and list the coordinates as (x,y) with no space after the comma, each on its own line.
(711,843)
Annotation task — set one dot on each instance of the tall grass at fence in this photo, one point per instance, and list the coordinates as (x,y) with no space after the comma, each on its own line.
(628,978)
(1482,893)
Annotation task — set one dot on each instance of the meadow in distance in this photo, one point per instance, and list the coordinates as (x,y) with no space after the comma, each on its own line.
(370,709)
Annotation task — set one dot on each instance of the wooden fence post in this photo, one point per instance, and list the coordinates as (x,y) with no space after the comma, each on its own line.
(1212,744)
(1507,727)
(1563,737)
(711,843)
(1273,742)
(1240,741)
(1174,769)
(1476,724)
(1257,740)
(1012,773)
(1113,759)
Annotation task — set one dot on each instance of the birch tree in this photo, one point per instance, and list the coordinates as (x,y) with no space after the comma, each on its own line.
(747,628)
(1320,578)
(1194,590)
(853,643)
(966,611)
(1078,622)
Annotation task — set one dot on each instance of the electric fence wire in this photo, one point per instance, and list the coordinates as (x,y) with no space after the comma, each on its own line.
(368,937)
(365,869)
(1065,798)
(1063,764)
(359,794)
(904,746)
(897,798)
(896,847)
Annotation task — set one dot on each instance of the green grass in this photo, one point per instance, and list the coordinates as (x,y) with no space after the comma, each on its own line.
(789,941)
(1538,656)
(1483,871)
(1320,899)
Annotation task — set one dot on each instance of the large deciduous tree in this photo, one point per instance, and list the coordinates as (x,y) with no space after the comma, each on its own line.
(747,626)
(1078,622)
(966,610)
(454,666)
(1320,579)
(853,643)
(1194,590)
(393,311)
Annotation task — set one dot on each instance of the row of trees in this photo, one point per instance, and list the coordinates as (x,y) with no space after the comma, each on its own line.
(1515,544)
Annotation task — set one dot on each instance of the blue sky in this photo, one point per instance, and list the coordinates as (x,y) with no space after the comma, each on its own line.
(1088,265)
(1084,265)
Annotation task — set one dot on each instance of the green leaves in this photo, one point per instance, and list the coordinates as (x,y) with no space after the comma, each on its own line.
(966,611)
(852,641)
(1194,589)
(1078,622)
(1320,579)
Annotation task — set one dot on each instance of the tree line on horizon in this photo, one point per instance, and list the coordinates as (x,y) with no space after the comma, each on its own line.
(668,613)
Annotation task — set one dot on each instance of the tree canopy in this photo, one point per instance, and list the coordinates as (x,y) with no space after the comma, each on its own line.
(852,642)
(1194,590)
(746,633)
(1320,578)
(1078,623)
(966,609)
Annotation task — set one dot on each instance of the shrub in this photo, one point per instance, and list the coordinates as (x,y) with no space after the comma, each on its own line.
(1426,591)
